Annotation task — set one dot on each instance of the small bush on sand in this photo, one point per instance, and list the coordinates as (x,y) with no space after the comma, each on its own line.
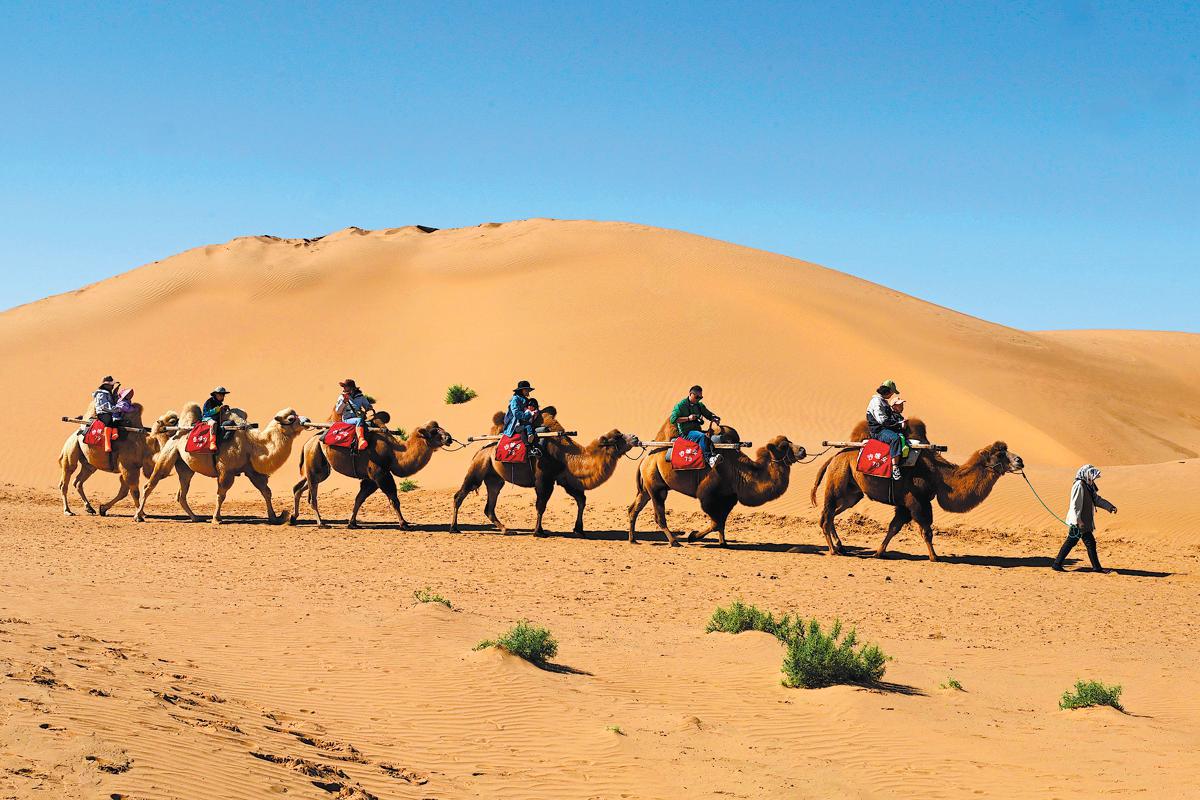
(951,683)
(427,596)
(527,641)
(815,658)
(740,617)
(459,394)
(616,729)
(407,485)
(1092,693)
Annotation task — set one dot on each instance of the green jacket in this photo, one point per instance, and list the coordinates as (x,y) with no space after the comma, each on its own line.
(685,408)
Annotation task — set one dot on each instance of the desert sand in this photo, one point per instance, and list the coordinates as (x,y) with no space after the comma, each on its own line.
(171,660)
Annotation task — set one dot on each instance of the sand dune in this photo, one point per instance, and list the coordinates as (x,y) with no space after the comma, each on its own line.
(175,660)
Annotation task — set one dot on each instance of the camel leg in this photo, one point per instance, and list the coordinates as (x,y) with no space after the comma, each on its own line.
(580,499)
(543,492)
(224,482)
(659,498)
(366,488)
(68,464)
(261,482)
(387,485)
(129,481)
(184,473)
(297,491)
(493,483)
(903,517)
(163,464)
(837,502)
(86,471)
(718,509)
(471,483)
(635,509)
(923,516)
(316,471)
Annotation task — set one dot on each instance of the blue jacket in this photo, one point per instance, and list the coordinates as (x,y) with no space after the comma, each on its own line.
(518,417)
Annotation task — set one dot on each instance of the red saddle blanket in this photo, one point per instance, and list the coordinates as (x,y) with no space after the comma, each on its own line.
(875,458)
(200,438)
(340,434)
(686,454)
(95,434)
(511,449)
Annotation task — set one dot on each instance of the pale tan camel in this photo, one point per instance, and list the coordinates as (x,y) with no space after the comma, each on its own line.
(386,456)
(255,453)
(132,456)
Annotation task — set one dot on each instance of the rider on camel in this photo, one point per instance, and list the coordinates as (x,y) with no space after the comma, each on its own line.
(354,406)
(886,423)
(213,413)
(104,401)
(688,416)
(523,412)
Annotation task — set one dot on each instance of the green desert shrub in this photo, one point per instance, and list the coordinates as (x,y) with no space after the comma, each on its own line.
(952,683)
(740,617)
(815,658)
(428,596)
(1092,693)
(531,643)
(407,485)
(459,394)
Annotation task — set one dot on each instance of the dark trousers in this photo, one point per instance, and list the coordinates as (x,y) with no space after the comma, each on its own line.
(1089,541)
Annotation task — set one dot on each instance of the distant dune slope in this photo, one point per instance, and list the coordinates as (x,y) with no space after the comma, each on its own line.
(611,322)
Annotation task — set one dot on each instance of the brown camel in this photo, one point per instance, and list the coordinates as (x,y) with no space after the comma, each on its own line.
(564,462)
(957,488)
(257,454)
(132,456)
(374,467)
(737,479)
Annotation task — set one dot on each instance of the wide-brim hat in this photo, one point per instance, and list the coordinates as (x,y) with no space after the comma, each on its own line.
(220,390)
(523,385)
(348,384)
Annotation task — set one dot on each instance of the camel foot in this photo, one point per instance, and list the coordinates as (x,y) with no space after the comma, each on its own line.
(404,526)
(634,541)
(352,525)
(323,525)
(139,517)
(90,509)
(933,557)
(216,521)
(675,543)
(879,554)
(68,512)
(539,533)
(454,529)
(580,532)
(282,519)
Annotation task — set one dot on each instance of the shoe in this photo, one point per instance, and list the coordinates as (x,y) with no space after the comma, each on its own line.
(714,460)
(895,473)
(1057,567)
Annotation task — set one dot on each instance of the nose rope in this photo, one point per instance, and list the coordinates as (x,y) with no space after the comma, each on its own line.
(1040,500)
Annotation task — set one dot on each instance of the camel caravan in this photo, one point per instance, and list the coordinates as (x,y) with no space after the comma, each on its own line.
(887,459)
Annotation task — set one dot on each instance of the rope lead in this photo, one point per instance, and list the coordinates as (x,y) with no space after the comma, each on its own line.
(1039,499)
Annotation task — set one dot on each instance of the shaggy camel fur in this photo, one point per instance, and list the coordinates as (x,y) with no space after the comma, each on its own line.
(254,453)
(132,456)
(737,479)
(957,488)
(386,456)
(564,462)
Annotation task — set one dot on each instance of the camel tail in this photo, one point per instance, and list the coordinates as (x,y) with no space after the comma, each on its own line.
(812,497)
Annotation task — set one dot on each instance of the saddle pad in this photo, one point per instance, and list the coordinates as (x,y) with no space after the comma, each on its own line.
(340,434)
(686,454)
(875,458)
(511,449)
(95,434)
(199,437)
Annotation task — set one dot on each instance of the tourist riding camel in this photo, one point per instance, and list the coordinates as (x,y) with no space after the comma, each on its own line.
(735,479)
(957,488)
(129,457)
(523,412)
(354,407)
(388,455)
(213,412)
(104,402)
(688,418)
(255,453)
(564,462)
(885,422)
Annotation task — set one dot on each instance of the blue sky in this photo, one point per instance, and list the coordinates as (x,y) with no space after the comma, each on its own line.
(1034,164)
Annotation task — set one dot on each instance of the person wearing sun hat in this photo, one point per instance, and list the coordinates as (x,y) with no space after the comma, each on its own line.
(214,413)
(104,401)
(354,406)
(521,415)
(886,424)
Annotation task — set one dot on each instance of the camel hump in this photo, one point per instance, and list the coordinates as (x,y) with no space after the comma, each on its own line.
(189,415)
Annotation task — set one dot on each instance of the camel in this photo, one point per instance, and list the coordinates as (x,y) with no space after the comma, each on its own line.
(957,488)
(565,462)
(132,456)
(374,467)
(257,454)
(737,479)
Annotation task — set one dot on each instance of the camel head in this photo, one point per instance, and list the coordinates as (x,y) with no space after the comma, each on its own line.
(434,434)
(290,421)
(780,449)
(619,443)
(998,459)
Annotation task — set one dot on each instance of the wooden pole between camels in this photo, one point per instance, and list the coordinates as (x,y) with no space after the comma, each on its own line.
(324,426)
(82,421)
(495,437)
(717,445)
(937,448)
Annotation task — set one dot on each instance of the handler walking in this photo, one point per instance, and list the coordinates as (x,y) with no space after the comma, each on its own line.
(1081,516)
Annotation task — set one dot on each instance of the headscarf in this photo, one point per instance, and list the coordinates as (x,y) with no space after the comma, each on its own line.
(1088,474)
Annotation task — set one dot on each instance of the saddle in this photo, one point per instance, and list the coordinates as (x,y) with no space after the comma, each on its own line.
(512,449)
(875,459)
(341,434)
(94,437)
(200,437)
(686,454)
